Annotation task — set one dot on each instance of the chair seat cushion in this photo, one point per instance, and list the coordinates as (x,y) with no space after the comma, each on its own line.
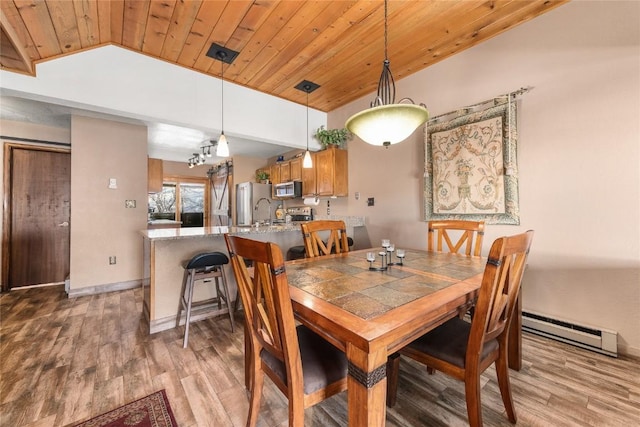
(322,363)
(448,342)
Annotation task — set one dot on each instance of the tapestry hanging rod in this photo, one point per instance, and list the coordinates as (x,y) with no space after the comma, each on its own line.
(475,107)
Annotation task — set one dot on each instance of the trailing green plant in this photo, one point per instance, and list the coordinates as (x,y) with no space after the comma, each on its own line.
(328,137)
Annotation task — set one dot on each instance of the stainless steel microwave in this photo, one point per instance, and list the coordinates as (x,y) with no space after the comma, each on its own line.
(288,189)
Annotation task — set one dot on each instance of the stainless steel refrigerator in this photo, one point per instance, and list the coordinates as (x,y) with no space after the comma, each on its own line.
(253,203)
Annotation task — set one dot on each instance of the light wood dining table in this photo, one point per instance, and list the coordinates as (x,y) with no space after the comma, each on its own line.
(371,314)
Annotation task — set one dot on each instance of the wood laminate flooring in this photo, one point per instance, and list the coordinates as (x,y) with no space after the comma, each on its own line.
(63,361)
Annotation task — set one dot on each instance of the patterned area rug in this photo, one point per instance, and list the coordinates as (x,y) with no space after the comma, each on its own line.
(150,411)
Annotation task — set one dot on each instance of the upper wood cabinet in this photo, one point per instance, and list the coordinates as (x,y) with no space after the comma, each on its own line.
(329,175)
(309,179)
(332,174)
(285,172)
(154,172)
(295,169)
(274,176)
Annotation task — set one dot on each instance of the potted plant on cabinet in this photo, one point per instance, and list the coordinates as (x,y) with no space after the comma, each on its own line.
(333,137)
(262,176)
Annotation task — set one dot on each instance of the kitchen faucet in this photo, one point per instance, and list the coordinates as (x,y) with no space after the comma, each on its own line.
(258,203)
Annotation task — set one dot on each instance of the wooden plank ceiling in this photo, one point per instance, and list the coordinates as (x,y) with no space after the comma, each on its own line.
(336,44)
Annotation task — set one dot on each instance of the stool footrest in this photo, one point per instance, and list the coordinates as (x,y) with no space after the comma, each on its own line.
(203,312)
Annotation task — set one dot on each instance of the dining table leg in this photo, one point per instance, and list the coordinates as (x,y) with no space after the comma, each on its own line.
(515,337)
(366,387)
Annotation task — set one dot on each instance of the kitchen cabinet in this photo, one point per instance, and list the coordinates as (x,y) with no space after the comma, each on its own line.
(309,179)
(295,169)
(274,174)
(332,174)
(285,172)
(329,175)
(154,175)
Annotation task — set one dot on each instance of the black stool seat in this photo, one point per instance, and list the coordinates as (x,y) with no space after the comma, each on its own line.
(296,252)
(204,267)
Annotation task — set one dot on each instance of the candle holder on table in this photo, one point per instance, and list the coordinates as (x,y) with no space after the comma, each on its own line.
(371,257)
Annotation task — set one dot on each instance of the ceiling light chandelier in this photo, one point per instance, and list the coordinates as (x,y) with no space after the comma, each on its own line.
(307,87)
(224,55)
(386,122)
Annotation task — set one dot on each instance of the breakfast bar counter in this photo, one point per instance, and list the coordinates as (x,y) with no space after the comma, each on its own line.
(166,249)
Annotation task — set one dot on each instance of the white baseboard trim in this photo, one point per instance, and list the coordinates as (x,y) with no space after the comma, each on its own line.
(101,289)
(627,350)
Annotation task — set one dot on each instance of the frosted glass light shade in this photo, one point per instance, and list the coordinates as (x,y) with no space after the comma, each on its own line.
(223,148)
(387,124)
(307,163)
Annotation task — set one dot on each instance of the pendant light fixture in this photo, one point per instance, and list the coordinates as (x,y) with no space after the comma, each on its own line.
(386,122)
(224,55)
(223,147)
(307,87)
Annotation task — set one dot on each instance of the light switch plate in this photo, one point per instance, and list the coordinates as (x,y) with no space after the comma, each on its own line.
(129,203)
(113,184)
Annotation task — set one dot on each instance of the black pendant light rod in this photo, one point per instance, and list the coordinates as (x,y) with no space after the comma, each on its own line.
(307,88)
(222,55)
(386,85)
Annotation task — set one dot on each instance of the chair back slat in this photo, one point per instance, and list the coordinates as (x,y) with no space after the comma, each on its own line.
(499,290)
(266,300)
(452,235)
(312,234)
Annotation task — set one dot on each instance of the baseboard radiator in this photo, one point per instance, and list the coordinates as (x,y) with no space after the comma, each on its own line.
(600,340)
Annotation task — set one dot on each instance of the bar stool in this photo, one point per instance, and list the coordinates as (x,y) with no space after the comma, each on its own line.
(203,267)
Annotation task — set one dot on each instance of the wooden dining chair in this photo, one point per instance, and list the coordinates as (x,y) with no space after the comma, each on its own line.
(304,366)
(313,232)
(441,236)
(464,350)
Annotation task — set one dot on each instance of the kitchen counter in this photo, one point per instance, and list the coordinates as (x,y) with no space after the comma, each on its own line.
(194,232)
(163,223)
(165,250)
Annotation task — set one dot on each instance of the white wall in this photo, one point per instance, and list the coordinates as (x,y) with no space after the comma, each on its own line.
(101,225)
(578,156)
(124,83)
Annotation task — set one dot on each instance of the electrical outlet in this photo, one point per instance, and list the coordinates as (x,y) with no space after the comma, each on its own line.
(370,201)
(357,195)
(112,260)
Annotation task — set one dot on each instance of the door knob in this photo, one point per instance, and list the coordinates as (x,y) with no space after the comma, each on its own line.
(63,224)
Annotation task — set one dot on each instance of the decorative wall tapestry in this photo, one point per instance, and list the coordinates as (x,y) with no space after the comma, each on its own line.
(470,164)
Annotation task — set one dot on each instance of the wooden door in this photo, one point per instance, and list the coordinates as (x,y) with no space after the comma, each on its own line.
(36,216)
